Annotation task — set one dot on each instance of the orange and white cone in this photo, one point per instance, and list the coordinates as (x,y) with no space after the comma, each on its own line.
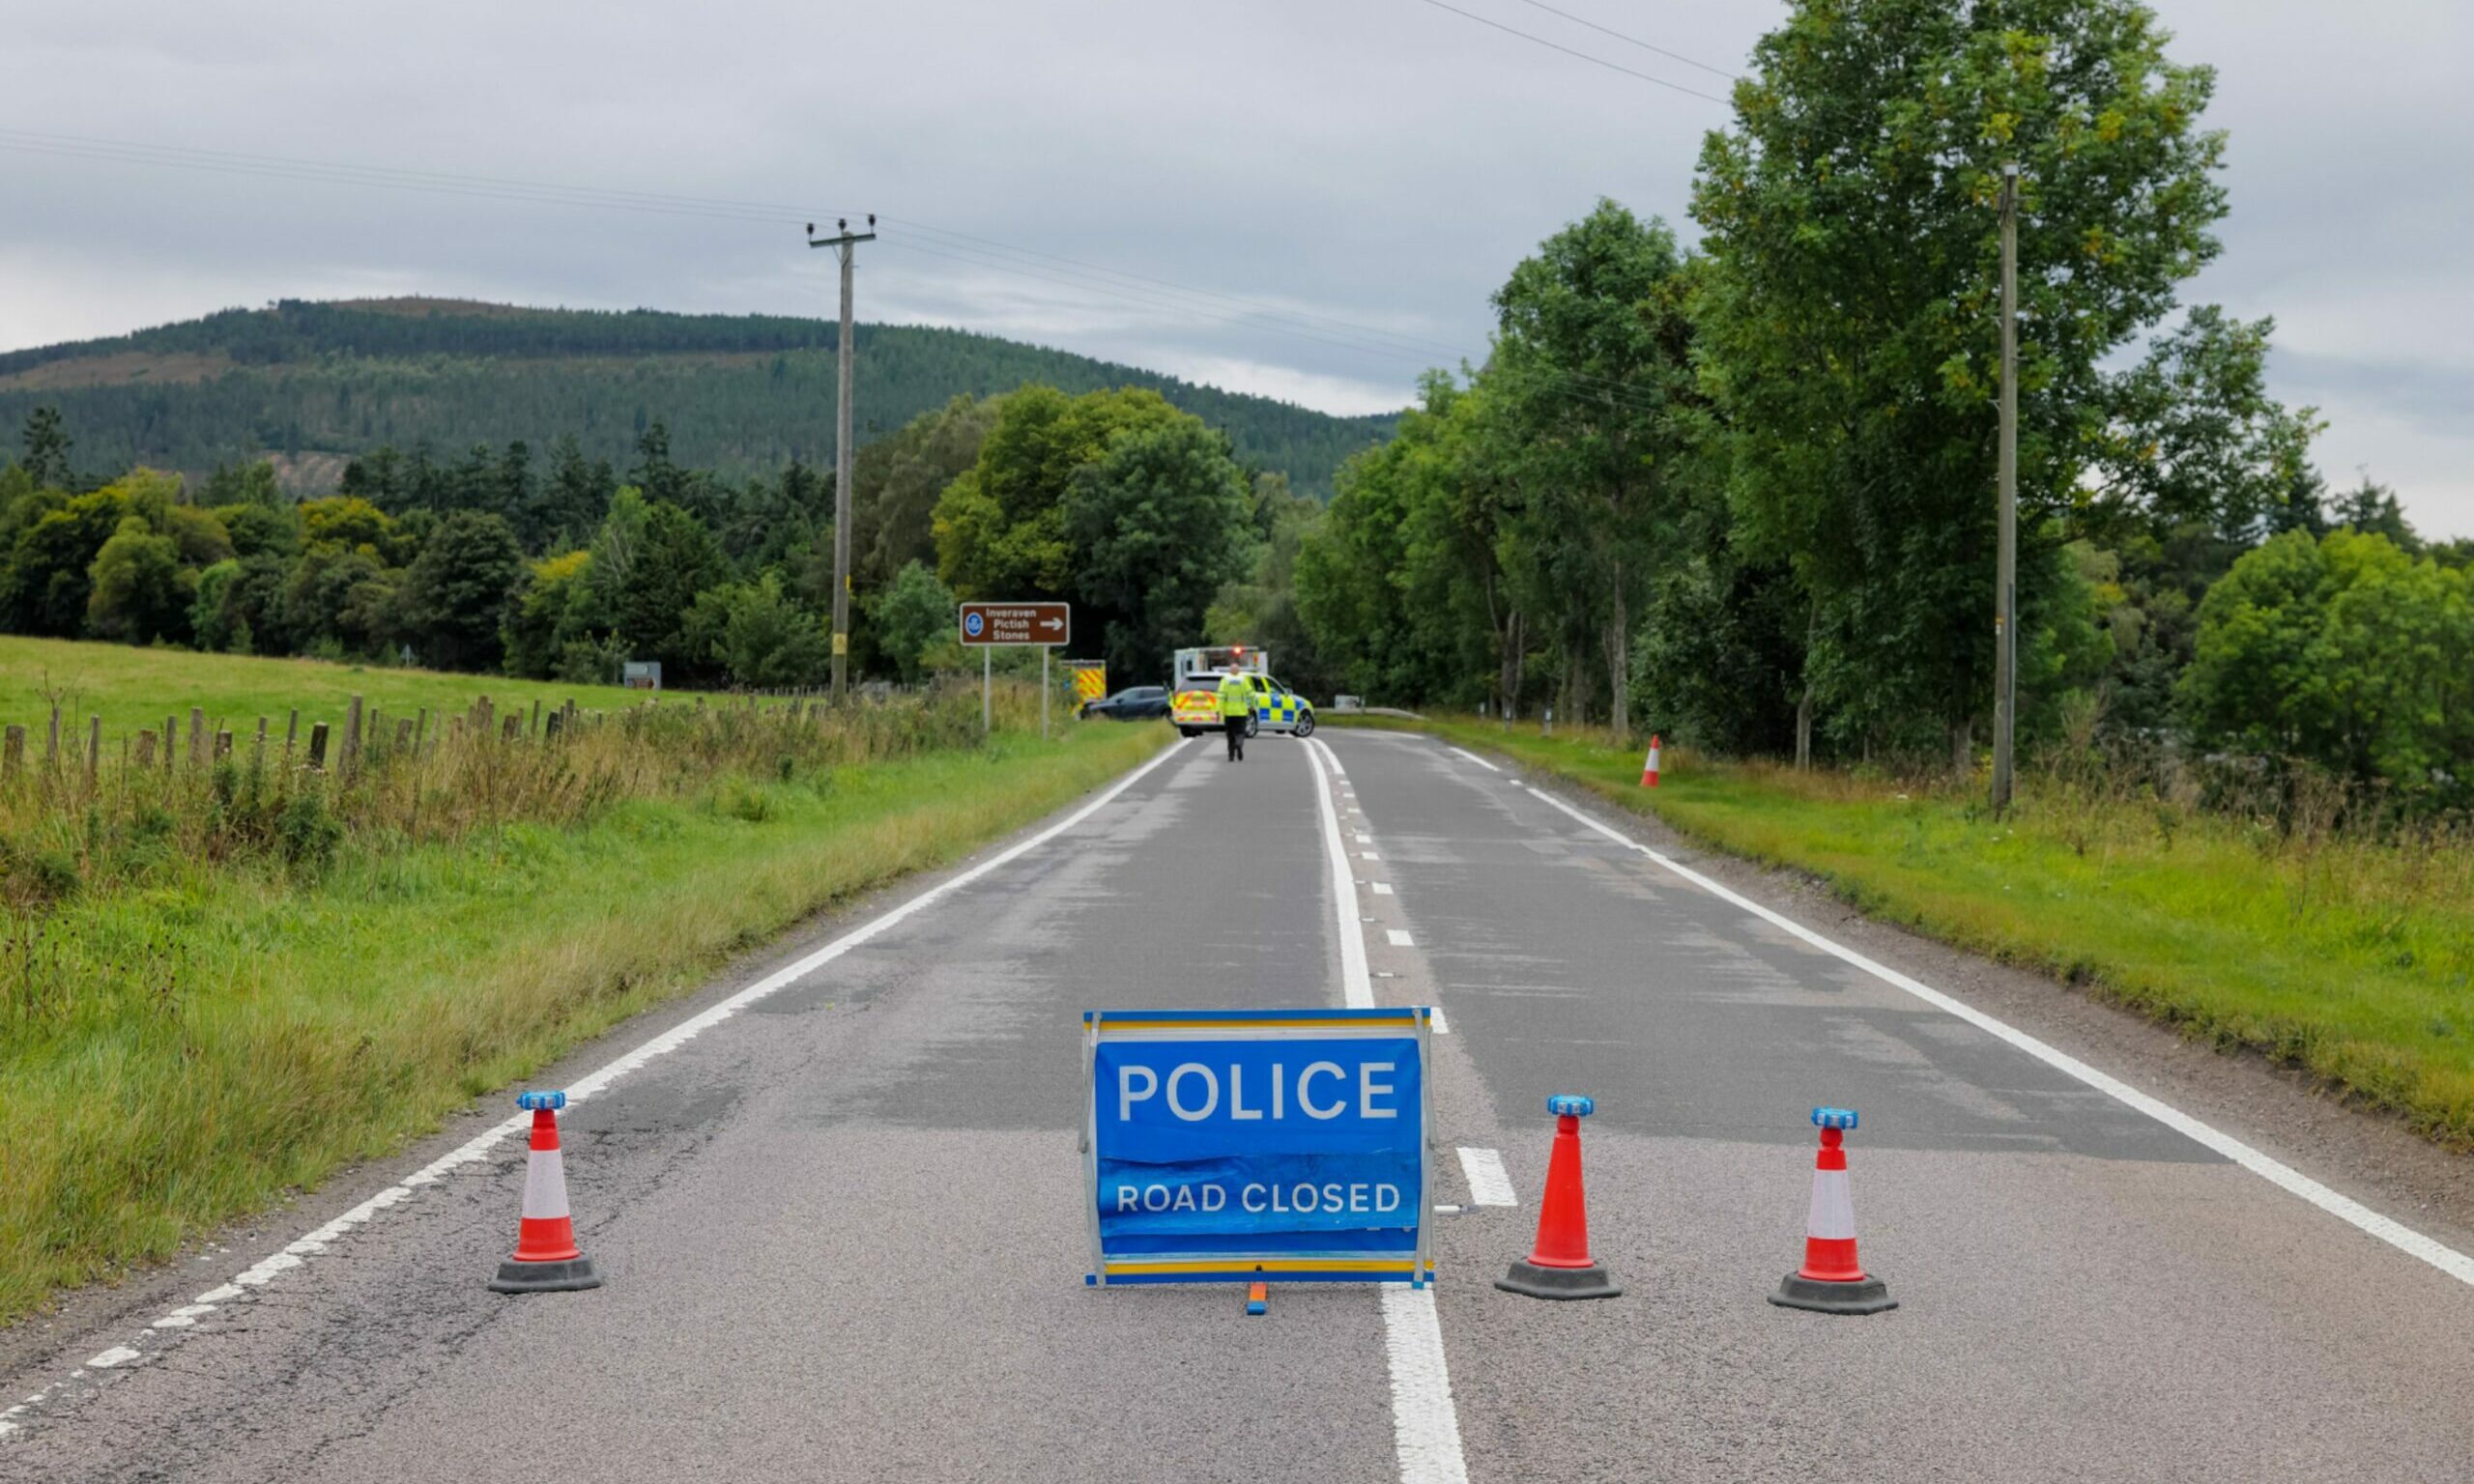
(1831,1279)
(1650,764)
(546,1259)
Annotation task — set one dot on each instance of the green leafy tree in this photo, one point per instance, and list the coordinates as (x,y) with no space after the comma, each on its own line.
(672,560)
(913,618)
(1000,527)
(139,592)
(758,636)
(1849,330)
(896,480)
(456,595)
(2345,652)
(552,610)
(1159,525)
(1260,606)
(1592,375)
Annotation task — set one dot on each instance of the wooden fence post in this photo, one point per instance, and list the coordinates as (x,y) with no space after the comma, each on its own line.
(51,748)
(536,727)
(146,748)
(317,747)
(552,727)
(197,735)
(291,734)
(512,727)
(222,742)
(352,737)
(258,749)
(171,741)
(403,735)
(13,751)
(94,751)
(421,728)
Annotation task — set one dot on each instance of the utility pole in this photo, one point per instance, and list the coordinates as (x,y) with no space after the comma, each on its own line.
(843,243)
(2005,579)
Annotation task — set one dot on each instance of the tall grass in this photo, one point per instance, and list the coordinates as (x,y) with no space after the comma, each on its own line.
(2274,912)
(217,984)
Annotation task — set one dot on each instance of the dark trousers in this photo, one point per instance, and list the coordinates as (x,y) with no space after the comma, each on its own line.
(1236,726)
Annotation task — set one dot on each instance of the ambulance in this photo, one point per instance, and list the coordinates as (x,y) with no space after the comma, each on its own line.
(1194,692)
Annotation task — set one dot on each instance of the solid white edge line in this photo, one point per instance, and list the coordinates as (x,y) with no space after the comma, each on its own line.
(1425,1430)
(2396,1234)
(479,1145)
(1489,1183)
(1473,758)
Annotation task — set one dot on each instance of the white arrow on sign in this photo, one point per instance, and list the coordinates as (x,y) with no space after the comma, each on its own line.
(1054,623)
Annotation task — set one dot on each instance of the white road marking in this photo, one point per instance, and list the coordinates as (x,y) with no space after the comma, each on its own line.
(479,1145)
(1365,839)
(1367,855)
(1382,888)
(1423,1427)
(1424,1430)
(1442,1027)
(1398,937)
(1479,761)
(2396,1234)
(1490,1184)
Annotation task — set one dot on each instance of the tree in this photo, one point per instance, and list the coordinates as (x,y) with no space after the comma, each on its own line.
(458,594)
(2345,652)
(913,618)
(1849,331)
(757,637)
(47,443)
(895,482)
(137,592)
(1158,524)
(552,610)
(1592,370)
(1000,526)
(673,559)
(1259,607)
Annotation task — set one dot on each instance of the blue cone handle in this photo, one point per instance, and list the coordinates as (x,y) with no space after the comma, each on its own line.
(1571,1102)
(1833,1118)
(533,1103)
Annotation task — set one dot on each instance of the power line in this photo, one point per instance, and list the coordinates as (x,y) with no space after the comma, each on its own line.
(1718,71)
(1570,51)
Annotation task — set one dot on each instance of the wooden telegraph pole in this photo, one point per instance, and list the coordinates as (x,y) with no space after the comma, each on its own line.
(843,243)
(2005,578)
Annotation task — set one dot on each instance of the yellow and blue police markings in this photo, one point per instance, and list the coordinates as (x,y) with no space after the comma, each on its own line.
(1234,1146)
(1278,708)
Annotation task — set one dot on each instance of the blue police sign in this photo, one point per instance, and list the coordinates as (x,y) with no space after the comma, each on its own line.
(1227,1146)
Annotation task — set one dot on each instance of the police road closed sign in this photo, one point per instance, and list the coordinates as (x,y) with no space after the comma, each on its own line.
(1016,623)
(1235,1146)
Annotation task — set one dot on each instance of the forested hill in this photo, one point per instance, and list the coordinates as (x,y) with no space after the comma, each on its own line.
(739,393)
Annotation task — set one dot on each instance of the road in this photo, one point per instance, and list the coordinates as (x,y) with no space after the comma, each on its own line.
(840,1220)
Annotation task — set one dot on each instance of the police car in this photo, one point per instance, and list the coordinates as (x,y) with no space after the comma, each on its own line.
(1194,704)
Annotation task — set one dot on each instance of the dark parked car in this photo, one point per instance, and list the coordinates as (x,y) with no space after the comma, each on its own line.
(1135,703)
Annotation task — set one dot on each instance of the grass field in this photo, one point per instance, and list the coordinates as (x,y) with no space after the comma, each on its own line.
(2350,957)
(196,1018)
(131,688)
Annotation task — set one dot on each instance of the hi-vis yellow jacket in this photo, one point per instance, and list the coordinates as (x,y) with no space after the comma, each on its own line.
(1236,694)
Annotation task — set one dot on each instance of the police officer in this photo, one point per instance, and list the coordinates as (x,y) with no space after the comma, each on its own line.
(1236,709)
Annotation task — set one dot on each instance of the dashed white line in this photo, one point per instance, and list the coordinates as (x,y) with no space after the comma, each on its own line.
(118,1354)
(1425,1432)
(1490,1184)
(1442,1027)
(1398,937)
(1479,761)
(1365,839)
(2345,1207)
(1382,888)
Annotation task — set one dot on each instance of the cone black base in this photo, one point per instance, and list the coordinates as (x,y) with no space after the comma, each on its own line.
(516,1277)
(1590,1283)
(1870,1297)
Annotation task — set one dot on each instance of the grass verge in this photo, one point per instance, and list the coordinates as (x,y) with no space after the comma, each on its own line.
(209,1035)
(2351,958)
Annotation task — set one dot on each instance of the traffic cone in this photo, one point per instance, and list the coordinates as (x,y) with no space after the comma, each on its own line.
(1558,1265)
(1650,764)
(546,1260)
(1831,1281)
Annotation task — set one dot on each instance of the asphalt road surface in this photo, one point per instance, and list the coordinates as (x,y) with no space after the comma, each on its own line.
(838,1215)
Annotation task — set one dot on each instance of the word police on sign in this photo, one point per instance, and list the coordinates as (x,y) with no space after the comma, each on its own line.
(1235,1146)
(1016,623)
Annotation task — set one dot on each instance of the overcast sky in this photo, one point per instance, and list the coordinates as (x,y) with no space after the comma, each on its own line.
(1317,195)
